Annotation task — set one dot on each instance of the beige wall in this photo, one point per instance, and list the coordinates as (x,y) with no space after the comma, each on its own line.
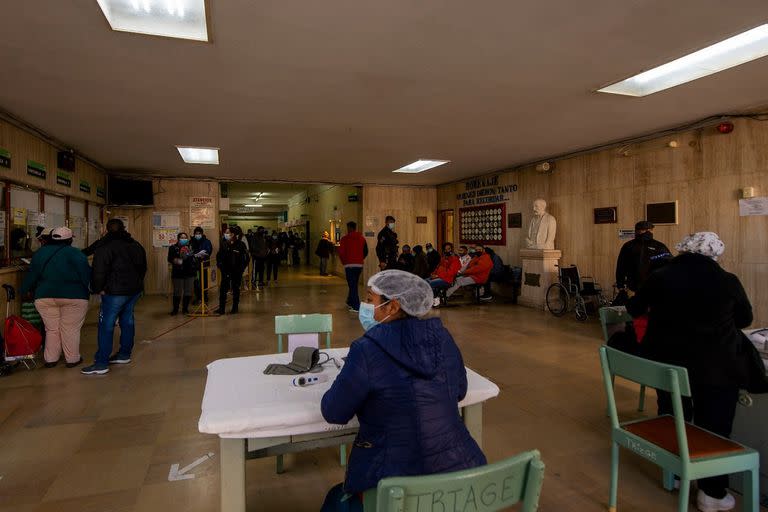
(326,203)
(704,173)
(170,195)
(405,204)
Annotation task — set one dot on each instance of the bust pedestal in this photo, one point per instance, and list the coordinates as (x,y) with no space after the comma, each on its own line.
(539,271)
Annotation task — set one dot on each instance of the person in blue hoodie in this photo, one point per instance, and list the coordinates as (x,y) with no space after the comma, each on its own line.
(403,380)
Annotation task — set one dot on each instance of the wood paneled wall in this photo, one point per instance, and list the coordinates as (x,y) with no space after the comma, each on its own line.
(24,146)
(170,195)
(404,204)
(704,173)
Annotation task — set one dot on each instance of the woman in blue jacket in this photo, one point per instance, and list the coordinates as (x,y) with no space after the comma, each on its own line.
(403,380)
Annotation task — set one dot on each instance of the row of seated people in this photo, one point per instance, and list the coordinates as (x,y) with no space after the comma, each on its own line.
(473,267)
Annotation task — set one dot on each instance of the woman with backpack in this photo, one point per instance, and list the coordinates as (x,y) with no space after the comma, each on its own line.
(59,277)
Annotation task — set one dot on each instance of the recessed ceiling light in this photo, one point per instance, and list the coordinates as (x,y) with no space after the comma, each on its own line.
(254,205)
(182,19)
(736,50)
(193,155)
(421,166)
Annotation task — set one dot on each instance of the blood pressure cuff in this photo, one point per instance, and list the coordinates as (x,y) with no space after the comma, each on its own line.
(305,360)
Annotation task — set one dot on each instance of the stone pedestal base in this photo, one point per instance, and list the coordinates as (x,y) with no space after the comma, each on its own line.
(539,271)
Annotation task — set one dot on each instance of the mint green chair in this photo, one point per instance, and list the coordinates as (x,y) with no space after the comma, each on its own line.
(303,324)
(680,448)
(613,319)
(482,489)
(285,325)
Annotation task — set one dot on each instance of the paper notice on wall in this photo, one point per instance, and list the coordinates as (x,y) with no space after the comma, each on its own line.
(753,206)
(34,220)
(77,225)
(19,216)
(371,221)
(164,237)
(166,220)
(626,234)
(201,213)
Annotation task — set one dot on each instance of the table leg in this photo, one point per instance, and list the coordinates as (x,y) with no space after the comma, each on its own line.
(473,420)
(232,475)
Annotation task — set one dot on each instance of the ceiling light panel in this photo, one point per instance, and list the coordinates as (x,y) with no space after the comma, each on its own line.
(736,50)
(182,19)
(195,155)
(420,166)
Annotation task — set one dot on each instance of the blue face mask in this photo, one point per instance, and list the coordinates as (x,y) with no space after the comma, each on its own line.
(183,241)
(366,315)
(198,237)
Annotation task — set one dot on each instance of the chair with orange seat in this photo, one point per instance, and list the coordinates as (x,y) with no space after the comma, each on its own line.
(680,448)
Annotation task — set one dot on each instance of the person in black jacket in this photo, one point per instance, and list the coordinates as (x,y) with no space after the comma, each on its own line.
(232,260)
(639,257)
(323,251)
(696,313)
(119,267)
(433,258)
(406,260)
(183,272)
(387,245)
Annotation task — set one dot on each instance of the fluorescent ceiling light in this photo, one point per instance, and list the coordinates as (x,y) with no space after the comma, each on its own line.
(254,205)
(182,19)
(193,155)
(736,50)
(421,166)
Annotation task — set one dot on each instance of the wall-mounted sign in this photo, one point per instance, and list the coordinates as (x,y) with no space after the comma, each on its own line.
(606,215)
(515,220)
(753,206)
(36,169)
(201,212)
(63,178)
(485,191)
(85,187)
(626,234)
(100,192)
(352,197)
(421,220)
(5,158)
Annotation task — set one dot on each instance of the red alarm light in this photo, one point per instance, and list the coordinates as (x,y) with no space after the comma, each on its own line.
(726,127)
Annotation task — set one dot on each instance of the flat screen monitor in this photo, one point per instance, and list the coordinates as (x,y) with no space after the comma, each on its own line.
(125,192)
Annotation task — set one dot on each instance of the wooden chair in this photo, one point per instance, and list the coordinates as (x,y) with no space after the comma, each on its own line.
(482,489)
(613,319)
(680,448)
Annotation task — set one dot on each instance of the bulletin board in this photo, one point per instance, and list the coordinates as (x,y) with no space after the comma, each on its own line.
(484,225)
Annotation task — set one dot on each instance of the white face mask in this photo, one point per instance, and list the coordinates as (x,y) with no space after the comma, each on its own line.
(391,225)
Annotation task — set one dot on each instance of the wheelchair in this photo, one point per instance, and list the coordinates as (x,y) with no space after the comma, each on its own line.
(570,292)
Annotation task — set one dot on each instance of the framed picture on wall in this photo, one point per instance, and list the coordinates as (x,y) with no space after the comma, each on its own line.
(483,225)
(661,213)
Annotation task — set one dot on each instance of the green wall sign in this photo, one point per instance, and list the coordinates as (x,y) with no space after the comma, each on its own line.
(5,158)
(63,178)
(100,192)
(85,187)
(36,169)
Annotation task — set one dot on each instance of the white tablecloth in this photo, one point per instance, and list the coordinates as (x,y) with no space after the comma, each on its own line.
(241,402)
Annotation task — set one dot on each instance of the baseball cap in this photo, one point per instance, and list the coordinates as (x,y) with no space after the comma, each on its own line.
(643,224)
(61,233)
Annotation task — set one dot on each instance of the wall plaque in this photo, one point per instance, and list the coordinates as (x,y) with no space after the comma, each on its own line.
(63,178)
(532,279)
(606,215)
(483,225)
(421,220)
(515,220)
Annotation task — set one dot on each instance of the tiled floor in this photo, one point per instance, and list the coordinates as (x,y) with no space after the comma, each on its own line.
(105,443)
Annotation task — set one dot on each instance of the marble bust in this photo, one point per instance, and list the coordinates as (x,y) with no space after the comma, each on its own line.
(541,230)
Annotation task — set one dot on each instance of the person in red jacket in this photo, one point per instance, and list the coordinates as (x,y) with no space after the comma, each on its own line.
(477,272)
(446,271)
(352,252)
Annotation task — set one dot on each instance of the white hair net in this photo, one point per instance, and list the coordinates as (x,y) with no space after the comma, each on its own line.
(412,292)
(705,243)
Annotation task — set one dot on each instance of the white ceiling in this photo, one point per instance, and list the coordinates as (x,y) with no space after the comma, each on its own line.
(346,91)
(274,197)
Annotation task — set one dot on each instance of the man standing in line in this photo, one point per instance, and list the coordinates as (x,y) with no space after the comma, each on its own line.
(259,252)
(202,248)
(352,252)
(387,245)
(639,257)
(119,267)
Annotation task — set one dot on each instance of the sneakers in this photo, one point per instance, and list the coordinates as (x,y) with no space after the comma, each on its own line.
(72,365)
(118,359)
(708,504)
(95,370)
(436,302)
(486,298)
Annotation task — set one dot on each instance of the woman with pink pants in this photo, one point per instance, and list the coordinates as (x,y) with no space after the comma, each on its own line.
(59,277)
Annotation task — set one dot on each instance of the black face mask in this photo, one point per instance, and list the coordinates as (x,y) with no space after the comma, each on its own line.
(448,253)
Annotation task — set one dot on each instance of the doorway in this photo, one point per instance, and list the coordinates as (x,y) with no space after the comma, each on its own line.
(445,229)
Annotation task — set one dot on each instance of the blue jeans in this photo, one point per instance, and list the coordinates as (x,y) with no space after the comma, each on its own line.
(438,284)
(353,276)
(114,307)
